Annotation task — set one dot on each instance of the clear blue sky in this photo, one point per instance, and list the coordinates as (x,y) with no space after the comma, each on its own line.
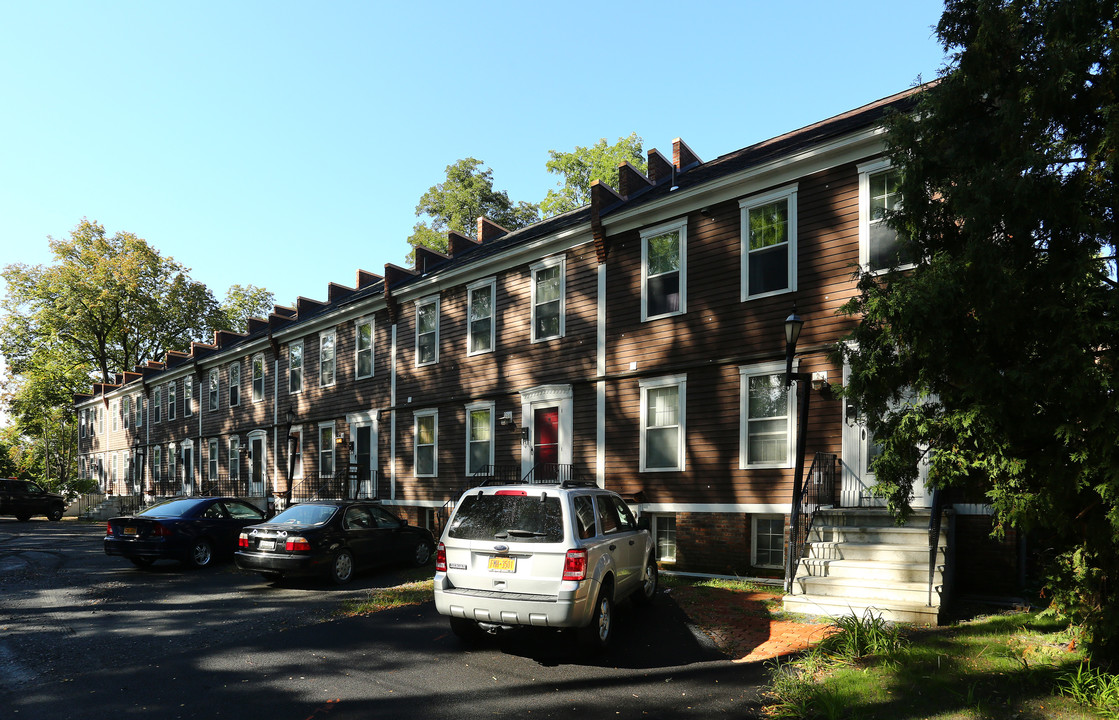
(286,144)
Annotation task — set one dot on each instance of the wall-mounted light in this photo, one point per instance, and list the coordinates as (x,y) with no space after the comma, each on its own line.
(506,418)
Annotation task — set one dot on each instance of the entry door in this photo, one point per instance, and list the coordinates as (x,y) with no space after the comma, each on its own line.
(363,485)
(188,470)
(545,443)
(859,450)
(257,463)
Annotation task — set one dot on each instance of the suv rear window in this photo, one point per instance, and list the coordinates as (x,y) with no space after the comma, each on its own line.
(515,518)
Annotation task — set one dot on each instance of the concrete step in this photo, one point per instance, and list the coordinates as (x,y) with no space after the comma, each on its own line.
(874,552)
(870,534)
(868,570)
(864,517)
(886,592)
(917,613)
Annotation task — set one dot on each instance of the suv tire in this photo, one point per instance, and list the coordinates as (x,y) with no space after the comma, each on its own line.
(55,513)
(600,632)
(648,589)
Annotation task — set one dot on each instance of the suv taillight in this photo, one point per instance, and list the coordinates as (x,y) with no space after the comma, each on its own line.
(296,544)
(441,558)
(575,565)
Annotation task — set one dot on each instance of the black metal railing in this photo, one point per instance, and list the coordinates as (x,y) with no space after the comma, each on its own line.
(817,493)
(224,485)
(555,473)
(339,486)
(938,504)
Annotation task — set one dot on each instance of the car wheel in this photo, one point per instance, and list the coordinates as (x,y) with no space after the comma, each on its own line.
(23,518)
(648,588)
(55,513)
(201,553)
(142,562)
(600,632)
(423,553)
(466,630)
(342,569)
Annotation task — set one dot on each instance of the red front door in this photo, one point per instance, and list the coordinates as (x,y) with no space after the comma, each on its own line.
(545,444)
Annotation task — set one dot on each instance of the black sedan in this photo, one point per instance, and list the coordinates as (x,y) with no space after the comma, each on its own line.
(191,530)
(334,539)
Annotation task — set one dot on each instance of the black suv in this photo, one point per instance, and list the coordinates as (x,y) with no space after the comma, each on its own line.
(24,498)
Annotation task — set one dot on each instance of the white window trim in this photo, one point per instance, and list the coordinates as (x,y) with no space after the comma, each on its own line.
(259,357)
(319,453)
(296,449)
(357,350)
(546,264)
(866,169)
(432,413)
(754,541)
(745,372)
(188,396)
(302,365)
(789,193)
(157,405)
(233,462)
(490,283)
(655,517)
(333,335)
(490,406)
(429,300)
(681,382)
(680,226)
(114,409)
(172,400)
(235,383)
(212,466)
(126,411)
(214,390)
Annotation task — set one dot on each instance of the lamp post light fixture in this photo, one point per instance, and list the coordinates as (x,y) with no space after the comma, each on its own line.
(793,325)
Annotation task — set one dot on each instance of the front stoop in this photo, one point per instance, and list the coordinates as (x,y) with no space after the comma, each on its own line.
(858,559)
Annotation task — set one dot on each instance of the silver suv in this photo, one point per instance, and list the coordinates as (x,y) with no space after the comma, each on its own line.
(548,555)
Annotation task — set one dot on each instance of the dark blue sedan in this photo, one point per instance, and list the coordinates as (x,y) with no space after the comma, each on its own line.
(191,530)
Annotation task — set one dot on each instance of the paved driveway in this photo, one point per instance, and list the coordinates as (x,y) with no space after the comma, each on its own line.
(85,636)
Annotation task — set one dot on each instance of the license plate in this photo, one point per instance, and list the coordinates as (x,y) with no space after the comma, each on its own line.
(130,531)
(502,564)
(267,545)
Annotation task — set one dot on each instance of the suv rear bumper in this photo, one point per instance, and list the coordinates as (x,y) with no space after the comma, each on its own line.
(568,609)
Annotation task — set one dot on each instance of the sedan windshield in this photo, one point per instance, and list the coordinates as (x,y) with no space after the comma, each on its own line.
(171,508)
(305,515)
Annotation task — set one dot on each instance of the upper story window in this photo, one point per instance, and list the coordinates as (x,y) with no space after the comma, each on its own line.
(215,390)
(295,366)
(663,411)
(116,415)
(126,411)
(235,384)
(479,436)
(138,411)
(427,331)
(664,269)
(480,312)
(548,286)
(768,414)
(879,247)
(769,247)
(188,397)
(426,448)
(83,421)
(157,405)
(363,347)
(326,358)
(171,400)
(258,378)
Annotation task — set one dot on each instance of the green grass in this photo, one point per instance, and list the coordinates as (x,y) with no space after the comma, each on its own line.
(1002,666)
(416,586)
(674,581)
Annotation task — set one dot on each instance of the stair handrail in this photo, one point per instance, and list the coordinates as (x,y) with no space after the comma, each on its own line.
(938,502)
(817,493)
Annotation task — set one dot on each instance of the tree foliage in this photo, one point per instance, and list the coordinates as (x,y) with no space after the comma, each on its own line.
(243,302)
(584,165)
(1007,329)
(466,194)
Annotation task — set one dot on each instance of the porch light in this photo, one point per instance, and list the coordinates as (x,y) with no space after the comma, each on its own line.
(793,325)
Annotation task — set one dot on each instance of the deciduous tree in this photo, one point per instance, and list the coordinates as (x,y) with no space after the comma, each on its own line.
(243,302)
(584,165)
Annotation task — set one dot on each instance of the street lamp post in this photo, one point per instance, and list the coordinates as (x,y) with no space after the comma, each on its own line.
(793,325)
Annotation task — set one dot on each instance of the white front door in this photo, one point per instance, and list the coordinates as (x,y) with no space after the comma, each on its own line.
(257,465)
(859,451)
(188,468)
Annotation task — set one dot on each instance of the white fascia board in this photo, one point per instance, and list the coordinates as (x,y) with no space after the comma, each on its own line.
(781,171)
(749,508)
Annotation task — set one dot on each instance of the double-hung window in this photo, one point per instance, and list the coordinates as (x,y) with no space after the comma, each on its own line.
(479,436)
(212,458)
(548,287)
(663,412)
(157,464)
(116,416)
(426,443)
(138,411)
(235,384)
(769,243)
(768,415)
(171,401)
(234,458)
(326,450)
(126,411)
(215,390)
(879,246)
(188,397)
(664,268)
(480,312)
(157,405)
(83,420)
(295,366)
(427,331)
(258,378)
(363,347)
(326,358)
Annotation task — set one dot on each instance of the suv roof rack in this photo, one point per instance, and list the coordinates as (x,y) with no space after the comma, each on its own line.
(564,483)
